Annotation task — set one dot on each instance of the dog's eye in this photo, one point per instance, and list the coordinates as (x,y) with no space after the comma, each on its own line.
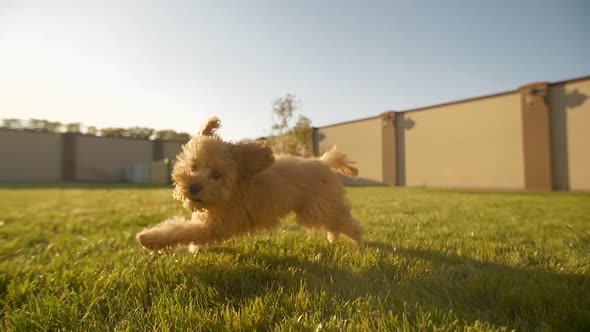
(215,175)
(193,168)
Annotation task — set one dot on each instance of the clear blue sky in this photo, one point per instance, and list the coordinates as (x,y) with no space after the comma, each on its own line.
(171,64)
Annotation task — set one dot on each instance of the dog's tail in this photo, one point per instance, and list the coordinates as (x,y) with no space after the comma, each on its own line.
(339,161)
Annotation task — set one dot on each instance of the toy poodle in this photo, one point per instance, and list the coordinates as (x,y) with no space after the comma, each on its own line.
(241,188)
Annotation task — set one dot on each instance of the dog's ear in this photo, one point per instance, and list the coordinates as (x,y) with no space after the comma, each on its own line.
(210,127)
(251,157)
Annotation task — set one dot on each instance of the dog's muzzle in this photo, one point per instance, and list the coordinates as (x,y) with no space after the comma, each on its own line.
(194,189)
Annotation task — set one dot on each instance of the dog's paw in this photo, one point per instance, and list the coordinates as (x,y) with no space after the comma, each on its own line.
(150,239)
(187,249)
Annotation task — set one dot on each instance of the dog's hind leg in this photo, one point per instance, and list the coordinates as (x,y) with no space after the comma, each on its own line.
(335,220)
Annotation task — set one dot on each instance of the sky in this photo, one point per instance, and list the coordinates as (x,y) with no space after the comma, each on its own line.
(172,64)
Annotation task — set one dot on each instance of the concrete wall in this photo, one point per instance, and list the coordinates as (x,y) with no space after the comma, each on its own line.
(28,156)
(570,134)
(362,142)
(171,149)
(536,138)
(159,172)
(151,172)
(101,159)
(471,144)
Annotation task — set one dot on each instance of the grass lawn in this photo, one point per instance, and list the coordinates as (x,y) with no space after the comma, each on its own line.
(435,260)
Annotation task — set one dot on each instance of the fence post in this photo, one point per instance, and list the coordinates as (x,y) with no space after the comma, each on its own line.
(68,157)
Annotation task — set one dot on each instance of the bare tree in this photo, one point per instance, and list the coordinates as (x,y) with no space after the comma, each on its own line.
(302,136)
(296,139)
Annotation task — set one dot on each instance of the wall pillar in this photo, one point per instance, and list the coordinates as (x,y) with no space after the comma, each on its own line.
(315,141)
(68,157)
(536,136)
(388,145)
(158,150)
(400,149)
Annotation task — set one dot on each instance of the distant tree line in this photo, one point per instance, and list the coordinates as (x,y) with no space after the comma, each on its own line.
(45,126)
(291,132)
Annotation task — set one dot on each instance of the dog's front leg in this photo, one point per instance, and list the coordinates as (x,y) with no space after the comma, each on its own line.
(177,232)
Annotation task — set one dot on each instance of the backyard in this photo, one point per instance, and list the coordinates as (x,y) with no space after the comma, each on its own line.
(435,259)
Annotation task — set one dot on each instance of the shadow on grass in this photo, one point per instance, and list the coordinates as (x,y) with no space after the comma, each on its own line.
(514,297)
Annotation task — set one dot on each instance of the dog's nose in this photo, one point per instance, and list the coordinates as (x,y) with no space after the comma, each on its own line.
(194,189)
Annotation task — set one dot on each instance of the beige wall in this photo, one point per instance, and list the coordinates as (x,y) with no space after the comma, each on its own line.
(472,144)
(29,156)
(570,126)
(100,159)
(171,149)
(361,141)
(159,172)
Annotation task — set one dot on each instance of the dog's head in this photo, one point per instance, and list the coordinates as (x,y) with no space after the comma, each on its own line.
(209,170)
